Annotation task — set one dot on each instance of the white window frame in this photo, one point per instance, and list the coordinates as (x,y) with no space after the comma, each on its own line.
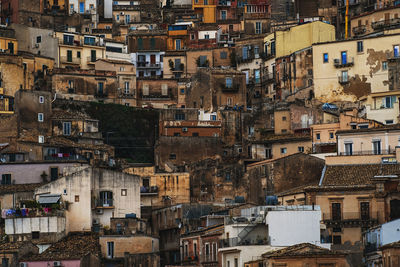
(40,117)
(41,99)
(40,139)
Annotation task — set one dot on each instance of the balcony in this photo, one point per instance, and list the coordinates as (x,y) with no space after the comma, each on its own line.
(100,95)
(69,60)
(268,78)
(343,80)
(235,241)
(147,65)
(208,259)
(379,25)
(349,219)
(64,157)
(148,190)
(233,88)
(370,248)
(368,152)
(360,30)
(129,94)
(343,64)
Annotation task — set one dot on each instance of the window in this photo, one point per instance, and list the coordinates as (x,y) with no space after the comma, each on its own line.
(245,52)
(6,178)
(164,89)
(337,239)
(325,58)
(388,101)
(172,156)
(256,51)
(124,192)
(179,116)
(69,55)
(35,235)
(223,55)
(384,65)
(300,149)
(396,51)
(344,57)
(284,118)
(53,173)
(223,14)
(228,82)
(331,135)
(283,150)
(205,2)
(93,55)
(360,47)
(4,262)
(106,198)
(213,117)
(376,146)
(229,101)
(40,139)
(145,89)
(318,136)
(258,27)
(68,39)
(195,134)
(110,250)
(78,54)
(336,211)
(41,99)
(345,77)
(388,121)
(348,149)
(126,87)
(228,176)
(100,88)
(40,117)
(76,198)
(177,44)
(206,36)
(89,40)
(236,262)
(66,128)
(38,39)
(364,210)
(195,249)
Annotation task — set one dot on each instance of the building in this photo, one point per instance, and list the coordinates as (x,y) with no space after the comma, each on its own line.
(95,195)
(74,6)
(14,251)
(305,253)
(79,50)
(378,237)
(77,248)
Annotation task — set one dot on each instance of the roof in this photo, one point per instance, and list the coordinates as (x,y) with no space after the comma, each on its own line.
(66,114)
(282,158)
(391,245)
(358,174)
(115,61)
(72,247)
(302,250)
(13,188)
(49,199)
(12,246)
(395,127)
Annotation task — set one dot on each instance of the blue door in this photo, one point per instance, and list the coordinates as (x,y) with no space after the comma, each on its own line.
(344,57)
(82,7)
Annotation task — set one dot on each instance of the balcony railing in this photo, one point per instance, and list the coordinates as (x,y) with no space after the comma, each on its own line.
(148,65)
(359,30)
(343,64)
(343,80)
(208,259)
(370,247)
(350,219)
(151,190)
(235,241)
(68,60)
(378,25)
(91,60)
(368,152)
(105,203)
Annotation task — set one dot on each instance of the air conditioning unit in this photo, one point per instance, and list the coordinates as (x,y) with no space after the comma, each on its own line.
(184,129)
(57,263)
(99,211)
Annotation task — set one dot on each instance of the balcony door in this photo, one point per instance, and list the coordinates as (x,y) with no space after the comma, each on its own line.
(364,210)
(344,57)
(336,211)
(106,198)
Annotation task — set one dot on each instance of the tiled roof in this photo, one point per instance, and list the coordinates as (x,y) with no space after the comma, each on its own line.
(302,250)
(11,246)
(360,174)
(13,188)
(394,127)
(74,246)
(391,245)
(66,114)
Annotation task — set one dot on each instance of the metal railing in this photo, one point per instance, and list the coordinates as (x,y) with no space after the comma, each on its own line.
(343,80)
(147,65)
(377,25)
(343,216)
(339,63)
(91,60)
(55,157)
(368,152)
(235,241)
(360,30)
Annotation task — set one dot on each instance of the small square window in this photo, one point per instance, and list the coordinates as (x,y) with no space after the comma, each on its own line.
(284,131)
(318,136)
(326,58)
(124,192)
(35,235)
(300,148)
(223,55)
(228,82)
(182,91)
(38,39)
(40,117)
(283,150)
(41,99)
(331,135)
(172,156)
(76,198)
(41,139)
(284,118)
(360,47)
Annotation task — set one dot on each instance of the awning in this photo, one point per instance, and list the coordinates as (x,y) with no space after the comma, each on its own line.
(49,199)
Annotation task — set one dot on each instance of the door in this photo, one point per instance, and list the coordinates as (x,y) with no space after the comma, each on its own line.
(11,47)
(344,57)
(93,55)
(82,7)
(336,212)
(152,59)
(69,55)
(110,250)
(364,208)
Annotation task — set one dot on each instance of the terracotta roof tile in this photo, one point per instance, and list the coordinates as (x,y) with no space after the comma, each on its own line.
(12,188)
(301,250)
(361,174)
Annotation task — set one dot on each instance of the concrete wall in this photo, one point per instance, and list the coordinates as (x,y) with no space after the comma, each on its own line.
(26,173)
(287,228)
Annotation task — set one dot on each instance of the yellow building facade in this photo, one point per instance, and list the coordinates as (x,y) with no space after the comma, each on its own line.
(207,8)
